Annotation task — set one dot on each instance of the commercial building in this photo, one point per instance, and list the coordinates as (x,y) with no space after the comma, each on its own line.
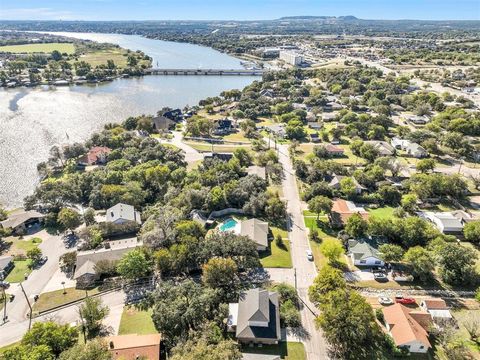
(291,58)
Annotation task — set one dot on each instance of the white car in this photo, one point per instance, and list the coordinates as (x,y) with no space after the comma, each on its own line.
(385,300)
(309,255)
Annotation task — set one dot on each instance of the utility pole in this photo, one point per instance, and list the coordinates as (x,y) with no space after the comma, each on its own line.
(29,306)
(295,276)
(5,304)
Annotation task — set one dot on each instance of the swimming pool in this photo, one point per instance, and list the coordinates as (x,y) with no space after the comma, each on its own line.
(228,225)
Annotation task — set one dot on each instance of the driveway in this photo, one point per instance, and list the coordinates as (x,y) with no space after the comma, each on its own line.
(315,344)
(191,155)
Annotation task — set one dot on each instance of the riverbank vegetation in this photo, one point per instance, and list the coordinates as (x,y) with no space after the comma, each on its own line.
(62,61)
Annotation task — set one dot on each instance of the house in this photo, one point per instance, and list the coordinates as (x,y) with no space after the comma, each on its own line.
(20,222)
(277,130)
(383,147)
(175,115)
(267,93)
(437,308)
(218,155)
(418,120)
(133,346)
(85,272)
(256,230)
(122,213)
(223,126)
(6,265)
(332,106)
(415,150)
(446,222)
(315,125)
(408,327)
(329,117)
(255,319)
(97,155)
(334,150)
(364,252)
(411,148)
(342,210)
(336,181)
(257,170)
(314,138)
(162,123)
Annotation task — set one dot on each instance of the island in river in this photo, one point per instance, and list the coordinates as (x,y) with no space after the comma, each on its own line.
(32,120)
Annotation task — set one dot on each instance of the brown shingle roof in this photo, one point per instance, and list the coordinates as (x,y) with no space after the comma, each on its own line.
(341,211)
(406,325)
(130,347)
(435,304)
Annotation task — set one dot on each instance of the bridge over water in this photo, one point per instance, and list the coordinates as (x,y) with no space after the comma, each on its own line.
(247,72)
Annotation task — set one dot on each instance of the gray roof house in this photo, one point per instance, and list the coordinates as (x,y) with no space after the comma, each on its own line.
(22,220)
(86,260)
(336,179)
(383,147)
(256,317)
(256,230)
(122,213)
(446,222)
(163,123)
(6,264)
(364,252)
(415,150)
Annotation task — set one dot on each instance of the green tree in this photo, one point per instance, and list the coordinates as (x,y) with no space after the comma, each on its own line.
(426,165)
(421,263)
(349,326)
(457,264)
(409,202)
(332,249)
(92,312)
(391,252)
(69,219)
(356,226)
(471,231)
(201,349)
(21,352)
(219,273)
(348,187)
(34,254)
(57,338)
(89,217)
(96,349)
(320,204)
(134,265)
(328,279)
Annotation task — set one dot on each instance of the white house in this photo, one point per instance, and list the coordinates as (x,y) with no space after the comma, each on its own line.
(364,253)
(437,308)
(408,327)
(122,213)
(446,222)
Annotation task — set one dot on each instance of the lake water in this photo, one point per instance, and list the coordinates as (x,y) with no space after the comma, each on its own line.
(33,120)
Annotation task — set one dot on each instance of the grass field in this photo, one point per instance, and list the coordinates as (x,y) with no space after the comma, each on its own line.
(17,246)
(18,272)
(39,48)
(136,321)
(206,147)
(99,57)
(286,350)
(382,213)
(56,298)
(276,257)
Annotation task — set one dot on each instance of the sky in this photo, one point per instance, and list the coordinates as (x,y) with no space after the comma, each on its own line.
(235,10)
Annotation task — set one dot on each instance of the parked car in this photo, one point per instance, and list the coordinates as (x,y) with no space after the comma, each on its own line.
(383,300)
(405,300)
(4,284)
(380,276)
(309,255)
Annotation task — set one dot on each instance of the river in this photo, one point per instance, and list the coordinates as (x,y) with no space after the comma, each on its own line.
(33,120)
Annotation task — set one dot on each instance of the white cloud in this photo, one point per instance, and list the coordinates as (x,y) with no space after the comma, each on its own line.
(35,14)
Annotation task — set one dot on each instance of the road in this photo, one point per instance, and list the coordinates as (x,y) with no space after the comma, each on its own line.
(13,331)
(51,246)
(315,344)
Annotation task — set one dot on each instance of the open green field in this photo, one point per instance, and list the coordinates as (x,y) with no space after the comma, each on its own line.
(277,257)
(286,350)
(136,321)
(100,57)
(18,246)
(17,274)
(382,213)
(206,147)
(56,298)
(39,48)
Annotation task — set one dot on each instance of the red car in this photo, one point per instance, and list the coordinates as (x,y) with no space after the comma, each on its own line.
(405,300)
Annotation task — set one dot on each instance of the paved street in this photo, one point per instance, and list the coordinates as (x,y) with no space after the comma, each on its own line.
(315,344)
(14,330)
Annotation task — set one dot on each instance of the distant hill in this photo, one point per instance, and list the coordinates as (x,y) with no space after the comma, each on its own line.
(346,18)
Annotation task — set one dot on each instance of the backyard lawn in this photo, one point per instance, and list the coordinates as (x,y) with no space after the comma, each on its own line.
(276,257)
(136,321)
(39,48)
(207,147)
(18,272)
(286,350)
(56,298)
(18,246)
(382,213)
